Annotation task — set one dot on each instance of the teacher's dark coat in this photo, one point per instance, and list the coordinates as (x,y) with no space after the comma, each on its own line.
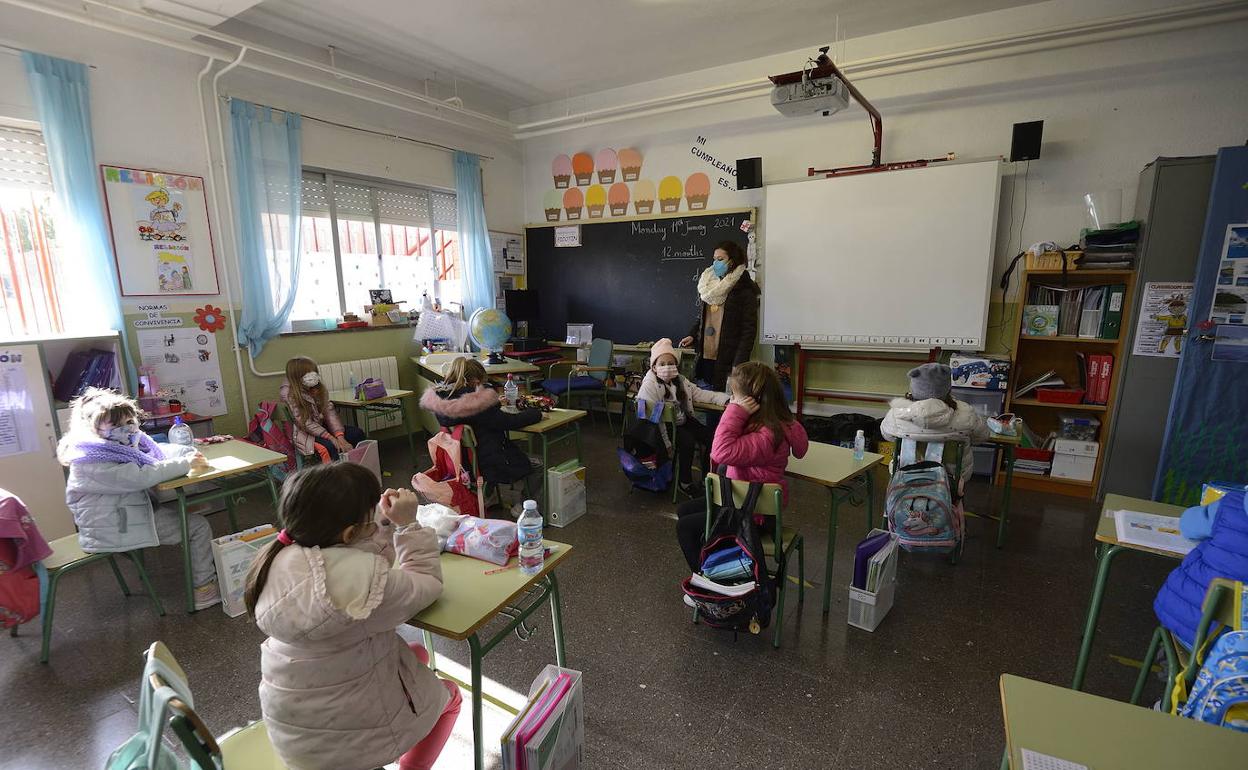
(737,332)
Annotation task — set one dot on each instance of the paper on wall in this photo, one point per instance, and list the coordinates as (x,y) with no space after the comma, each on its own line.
(1163,312)
(1230,291)
(185,361)
(17,412)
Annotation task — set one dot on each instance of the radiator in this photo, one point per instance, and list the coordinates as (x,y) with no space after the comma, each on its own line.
(337,376)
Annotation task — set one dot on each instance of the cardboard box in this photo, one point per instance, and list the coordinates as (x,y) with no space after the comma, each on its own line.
(984,372)
(1074,460)
(567,493)
(233,555)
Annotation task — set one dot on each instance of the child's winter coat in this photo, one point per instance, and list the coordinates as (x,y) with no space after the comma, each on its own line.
(754,455)
(315,423)
(654,391)
(499,459)
(931,419)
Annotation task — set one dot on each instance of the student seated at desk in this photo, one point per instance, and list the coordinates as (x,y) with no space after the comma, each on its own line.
(1222,528)
(930,413)
(112,466)
(665,384)
(339,688)
(466,398)
(317,427)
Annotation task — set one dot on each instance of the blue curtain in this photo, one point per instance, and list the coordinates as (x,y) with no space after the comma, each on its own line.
(91,298)
(474,236)
(265,175)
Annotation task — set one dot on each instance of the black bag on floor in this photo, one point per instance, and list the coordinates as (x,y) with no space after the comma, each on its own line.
(733,529)
(645,455)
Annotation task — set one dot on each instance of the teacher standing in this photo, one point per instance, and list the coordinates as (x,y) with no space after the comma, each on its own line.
(723,335)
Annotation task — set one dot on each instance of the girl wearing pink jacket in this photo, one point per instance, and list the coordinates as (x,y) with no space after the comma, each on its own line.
(339,688)
(755,437)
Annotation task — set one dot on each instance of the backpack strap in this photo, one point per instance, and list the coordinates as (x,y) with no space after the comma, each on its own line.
(933,452)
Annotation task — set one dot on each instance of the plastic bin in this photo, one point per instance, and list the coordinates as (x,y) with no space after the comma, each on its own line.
(987,403)
(867,609)
(1078,427)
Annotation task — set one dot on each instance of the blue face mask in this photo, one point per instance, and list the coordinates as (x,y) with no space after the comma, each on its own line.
(720,267)
(124,434)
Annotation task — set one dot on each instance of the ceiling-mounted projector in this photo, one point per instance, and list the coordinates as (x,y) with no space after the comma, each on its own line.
(815,89)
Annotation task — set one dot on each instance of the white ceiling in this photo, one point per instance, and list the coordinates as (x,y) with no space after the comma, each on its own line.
(524,53)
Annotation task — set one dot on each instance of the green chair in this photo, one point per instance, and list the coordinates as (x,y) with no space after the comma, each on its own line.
(584,379)
(770,503)
(67,556)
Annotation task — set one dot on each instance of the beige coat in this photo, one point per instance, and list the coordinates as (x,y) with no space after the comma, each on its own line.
(339,688)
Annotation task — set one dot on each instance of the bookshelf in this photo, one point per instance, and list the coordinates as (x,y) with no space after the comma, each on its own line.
(1034,355)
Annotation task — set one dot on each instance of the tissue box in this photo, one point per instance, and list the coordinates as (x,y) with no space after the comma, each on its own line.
(980,372)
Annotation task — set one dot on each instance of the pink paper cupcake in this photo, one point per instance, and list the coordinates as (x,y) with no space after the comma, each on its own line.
(595,200)
(669,194)
(606,164)
(583,168)
(643,196)
(573,202)
(561,169)
(617,199)
(697,190)
(630,164)
(552,204)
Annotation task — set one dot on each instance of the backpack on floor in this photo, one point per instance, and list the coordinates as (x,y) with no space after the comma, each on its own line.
(921,510)
(735,541)
(645,455)
(448,481)
(273,435)
(1220,693)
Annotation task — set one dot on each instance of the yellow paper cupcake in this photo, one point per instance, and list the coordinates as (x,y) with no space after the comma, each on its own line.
(595,200)
(670,190)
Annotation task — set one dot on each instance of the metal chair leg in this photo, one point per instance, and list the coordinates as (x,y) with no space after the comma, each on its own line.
(147,584)
(779,619)
(801,570)
(121,581)
(1146,666)
(49,608)
(229,509)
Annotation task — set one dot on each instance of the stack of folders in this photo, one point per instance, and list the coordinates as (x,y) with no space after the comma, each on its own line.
(869,559)
(549,732)
(1091,312)
(728,572)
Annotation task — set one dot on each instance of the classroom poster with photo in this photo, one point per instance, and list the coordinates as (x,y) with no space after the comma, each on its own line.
(1230,292)
(184,361)
(17,411)
(1163,319)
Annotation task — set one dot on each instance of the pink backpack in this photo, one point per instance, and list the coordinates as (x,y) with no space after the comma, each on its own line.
(448,482)
(273,435)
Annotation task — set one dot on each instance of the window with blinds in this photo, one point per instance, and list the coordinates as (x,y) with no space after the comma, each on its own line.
(23,159)
(359,235)
(31,273)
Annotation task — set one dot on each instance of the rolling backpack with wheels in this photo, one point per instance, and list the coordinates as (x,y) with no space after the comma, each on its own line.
(921,510)
(1220,693)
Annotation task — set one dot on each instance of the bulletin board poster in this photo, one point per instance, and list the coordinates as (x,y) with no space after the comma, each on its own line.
(185,364)
(1163,319)
(161,237)
(1230,292)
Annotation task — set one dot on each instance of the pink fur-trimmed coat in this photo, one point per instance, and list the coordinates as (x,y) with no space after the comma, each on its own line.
(499,459)
(753,455)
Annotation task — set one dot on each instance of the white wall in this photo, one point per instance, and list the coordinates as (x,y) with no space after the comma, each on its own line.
(1109,108)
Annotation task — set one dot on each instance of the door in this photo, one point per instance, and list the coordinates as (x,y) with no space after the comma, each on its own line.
(28,464)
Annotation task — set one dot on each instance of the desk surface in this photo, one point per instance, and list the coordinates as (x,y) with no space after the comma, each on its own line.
(829,465)
(228,459)
(1107,532)
(1104,734)
(553,420)
(511,367)
(619,348)
(345,397)
(470,598)
(996,438)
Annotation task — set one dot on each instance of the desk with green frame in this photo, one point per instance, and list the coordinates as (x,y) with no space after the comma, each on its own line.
(555,427)
(473,593)
(383,405)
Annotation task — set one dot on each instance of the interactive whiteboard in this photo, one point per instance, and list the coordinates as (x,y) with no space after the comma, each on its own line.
(896,259)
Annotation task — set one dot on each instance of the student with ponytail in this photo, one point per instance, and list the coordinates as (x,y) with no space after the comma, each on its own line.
(339,688)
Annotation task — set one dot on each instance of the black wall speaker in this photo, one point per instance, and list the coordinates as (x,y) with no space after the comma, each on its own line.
(749,173)
(1026,142)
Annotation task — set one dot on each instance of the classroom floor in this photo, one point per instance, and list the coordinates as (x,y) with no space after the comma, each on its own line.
(660,692)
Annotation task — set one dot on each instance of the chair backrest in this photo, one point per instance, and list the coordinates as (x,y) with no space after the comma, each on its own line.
(1220,609)
(249,747)
(770,501)
(600,355)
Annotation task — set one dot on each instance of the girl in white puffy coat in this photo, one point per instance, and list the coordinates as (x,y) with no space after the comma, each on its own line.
(930,413)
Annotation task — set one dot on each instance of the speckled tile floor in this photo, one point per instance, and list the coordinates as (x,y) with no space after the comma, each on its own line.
(660,692)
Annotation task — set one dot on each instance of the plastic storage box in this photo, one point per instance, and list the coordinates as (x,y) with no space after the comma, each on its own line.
(1074,460)
(1078,427)
(867,609)
(567,493)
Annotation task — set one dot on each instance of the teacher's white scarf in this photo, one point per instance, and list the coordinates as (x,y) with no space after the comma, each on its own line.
(714,290)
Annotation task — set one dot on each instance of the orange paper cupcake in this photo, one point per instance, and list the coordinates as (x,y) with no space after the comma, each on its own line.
(595,200)
(606,163)
(617,199)
(630,164)
(573,202)
(697,190)
(583,168)
(669,194)
(643,197)
(561,170)
(552,203)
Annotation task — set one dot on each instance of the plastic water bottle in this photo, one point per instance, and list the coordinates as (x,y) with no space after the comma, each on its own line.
(180,433)
(860,445)
(352,382)
(511,393)
(529,532)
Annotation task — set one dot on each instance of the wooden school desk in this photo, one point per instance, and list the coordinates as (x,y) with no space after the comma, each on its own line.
(511,366)
(471,598)
(1108,547)
(1106,734)
(245,466)
(559,425)
(347,399)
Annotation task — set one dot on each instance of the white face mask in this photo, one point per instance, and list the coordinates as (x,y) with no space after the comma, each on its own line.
(126,434)
(311,379)
(666,372)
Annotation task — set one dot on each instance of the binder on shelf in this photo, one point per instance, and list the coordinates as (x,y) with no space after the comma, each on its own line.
(1092,312)
(1111,320)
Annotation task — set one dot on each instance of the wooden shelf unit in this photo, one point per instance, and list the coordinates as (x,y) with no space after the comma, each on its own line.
(1034,356)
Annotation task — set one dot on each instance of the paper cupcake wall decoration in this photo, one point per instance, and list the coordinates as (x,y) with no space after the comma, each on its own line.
(596,200)
(669,194)
(573,202)
(629,161)
(606,163)
(552,202)
(561,169)
(697,190)
(643,196)
(617,199)
(583,168)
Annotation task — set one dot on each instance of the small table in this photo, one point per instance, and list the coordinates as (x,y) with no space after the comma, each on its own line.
(1109,546)
(833,467)
(556,426)
(433,373)
(345,398)
(229,460)
(1102,733)
(471,598)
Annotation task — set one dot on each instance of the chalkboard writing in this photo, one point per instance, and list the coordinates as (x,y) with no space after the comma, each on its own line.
(633,280)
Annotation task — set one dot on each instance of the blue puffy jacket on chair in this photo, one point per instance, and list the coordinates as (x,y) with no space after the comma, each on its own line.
(1222,526)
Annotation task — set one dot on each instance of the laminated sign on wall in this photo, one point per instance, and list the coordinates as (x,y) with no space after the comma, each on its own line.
(185,362)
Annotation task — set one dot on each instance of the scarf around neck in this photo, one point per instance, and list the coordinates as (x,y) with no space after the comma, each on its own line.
(103,451)
(714,290)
